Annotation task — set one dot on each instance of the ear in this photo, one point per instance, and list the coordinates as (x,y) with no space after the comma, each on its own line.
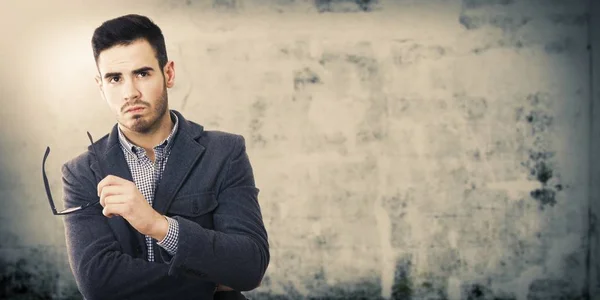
(99,83)
(169,73)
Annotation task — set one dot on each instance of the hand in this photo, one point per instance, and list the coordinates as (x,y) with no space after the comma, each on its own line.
(121,197)
(223,288)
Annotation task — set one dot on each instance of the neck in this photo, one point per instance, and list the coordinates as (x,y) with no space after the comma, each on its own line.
(154,136)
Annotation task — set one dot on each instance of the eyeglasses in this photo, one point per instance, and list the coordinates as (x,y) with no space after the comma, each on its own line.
(47,185)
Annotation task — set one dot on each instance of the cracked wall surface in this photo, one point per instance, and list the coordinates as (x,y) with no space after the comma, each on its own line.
(404,149)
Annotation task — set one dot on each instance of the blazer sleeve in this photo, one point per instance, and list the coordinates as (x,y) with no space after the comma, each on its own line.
(100,269)
(236,252)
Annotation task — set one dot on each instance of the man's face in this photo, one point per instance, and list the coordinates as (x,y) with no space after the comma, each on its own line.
(134,86)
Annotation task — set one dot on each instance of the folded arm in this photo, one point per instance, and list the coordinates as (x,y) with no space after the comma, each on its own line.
(100,268)
(236,252)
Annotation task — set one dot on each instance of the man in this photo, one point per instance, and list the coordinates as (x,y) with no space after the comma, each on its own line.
(178,216)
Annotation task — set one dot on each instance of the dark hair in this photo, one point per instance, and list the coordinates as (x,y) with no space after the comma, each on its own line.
(127,29)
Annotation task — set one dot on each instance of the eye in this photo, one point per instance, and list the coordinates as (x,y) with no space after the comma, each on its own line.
(143,74)
(114,79)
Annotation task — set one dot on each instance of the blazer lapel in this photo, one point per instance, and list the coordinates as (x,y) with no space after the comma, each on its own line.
(114,163)
(185,153)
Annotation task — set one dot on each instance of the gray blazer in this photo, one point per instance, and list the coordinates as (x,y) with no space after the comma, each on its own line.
(208,186)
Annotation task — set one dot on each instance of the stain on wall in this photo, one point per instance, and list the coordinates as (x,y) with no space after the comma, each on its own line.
(552,289)
(472,4)
(34,274)
(403,285)
(540,157)
(345,6)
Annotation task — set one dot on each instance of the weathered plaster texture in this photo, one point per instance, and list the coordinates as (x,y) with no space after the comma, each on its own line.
(404,149)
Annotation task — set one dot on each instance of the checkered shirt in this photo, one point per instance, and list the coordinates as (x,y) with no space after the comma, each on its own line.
(146,176)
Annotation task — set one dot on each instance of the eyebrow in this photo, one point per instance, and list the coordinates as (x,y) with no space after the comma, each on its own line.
(135,72)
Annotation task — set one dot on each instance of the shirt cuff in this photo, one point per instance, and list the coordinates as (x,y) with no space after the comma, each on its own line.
(171,240)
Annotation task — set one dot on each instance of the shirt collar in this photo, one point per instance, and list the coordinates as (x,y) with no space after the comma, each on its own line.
(135,150)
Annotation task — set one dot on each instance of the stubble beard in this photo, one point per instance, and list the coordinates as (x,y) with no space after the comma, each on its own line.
(141,124)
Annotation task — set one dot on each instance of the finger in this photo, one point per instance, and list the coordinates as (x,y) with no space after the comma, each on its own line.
(115,199)
(115,209)
(224,288)
(110,190)
(109,211)
(108,180)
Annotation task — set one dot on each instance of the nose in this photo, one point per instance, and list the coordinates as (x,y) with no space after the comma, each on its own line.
(130,90)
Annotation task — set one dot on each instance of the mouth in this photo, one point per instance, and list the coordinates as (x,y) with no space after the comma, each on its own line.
(135,109)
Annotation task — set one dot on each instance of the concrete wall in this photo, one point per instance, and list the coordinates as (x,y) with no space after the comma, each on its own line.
(594,212)
(404,149)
